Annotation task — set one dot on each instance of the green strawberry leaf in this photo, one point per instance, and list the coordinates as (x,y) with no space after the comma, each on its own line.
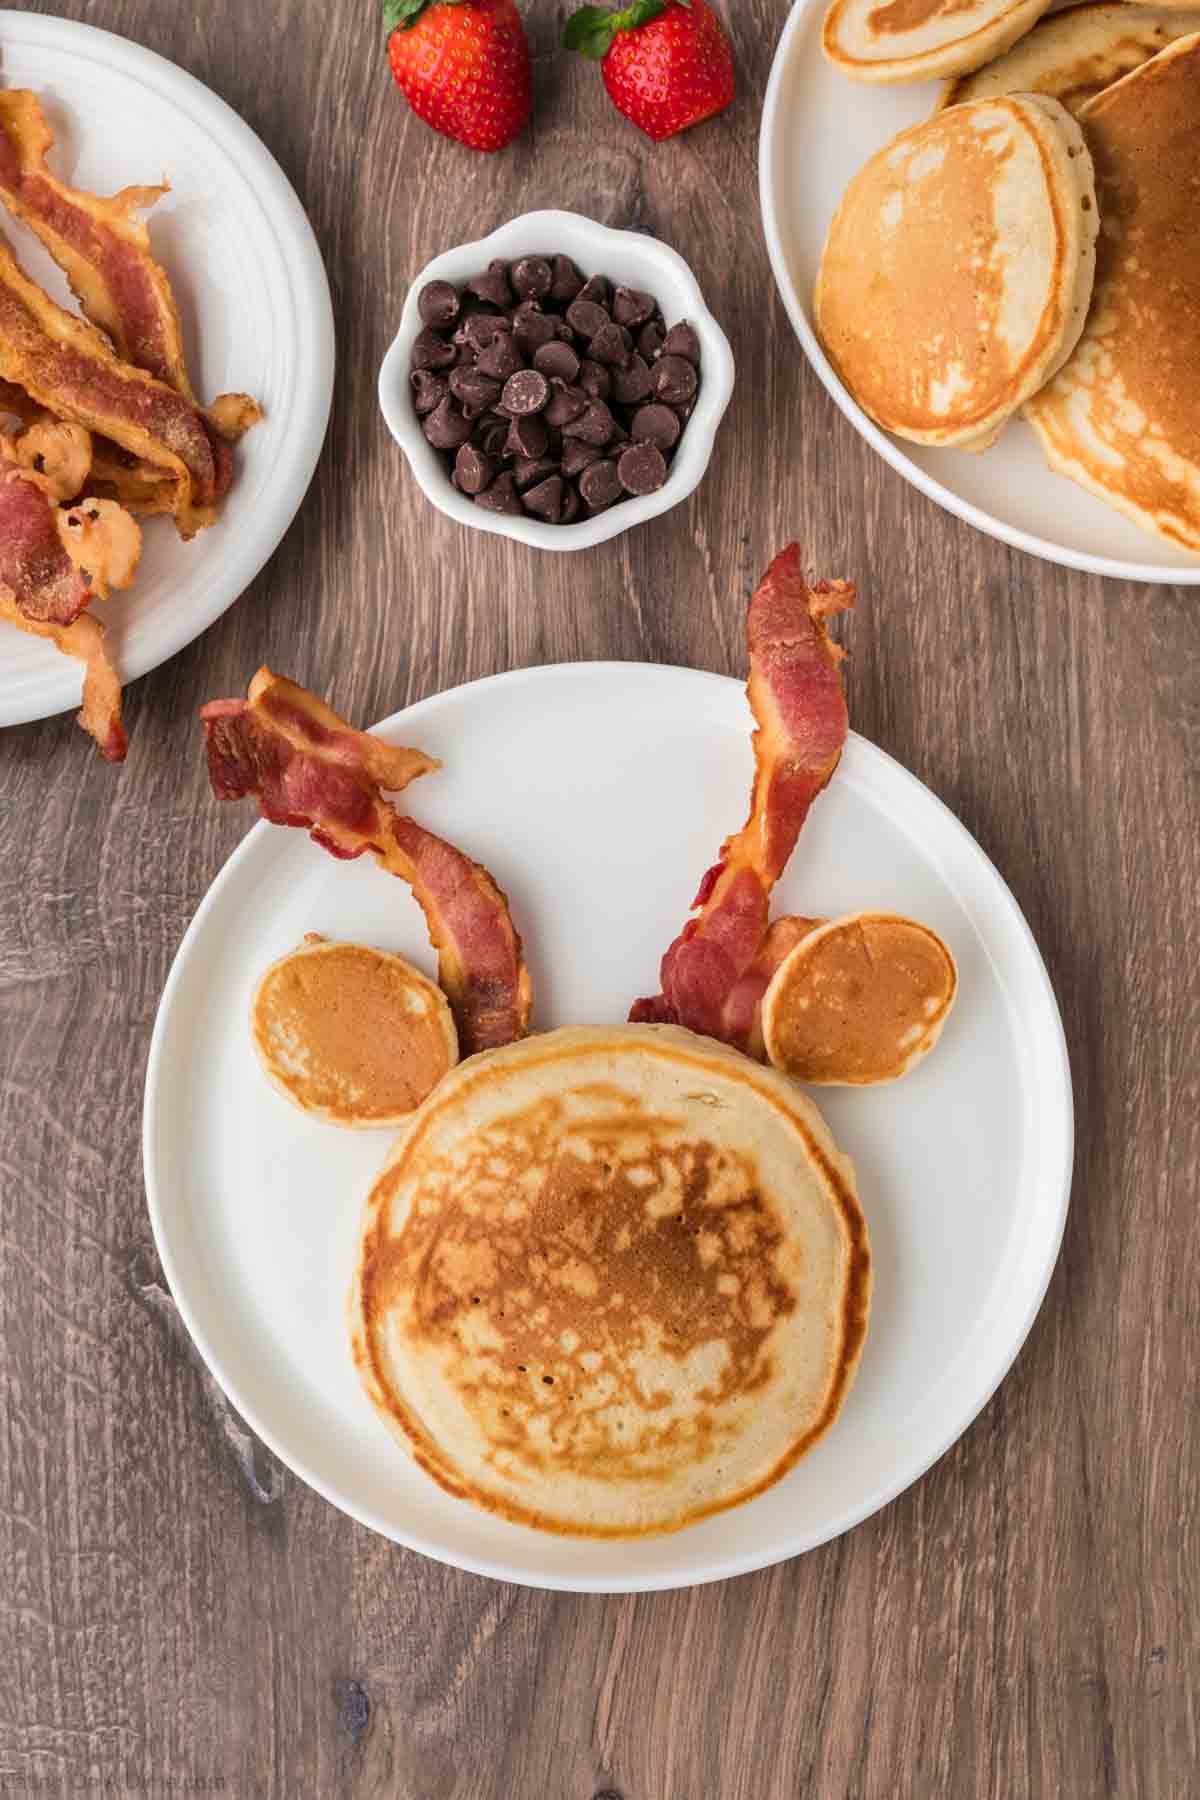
(402,15)
(592,29)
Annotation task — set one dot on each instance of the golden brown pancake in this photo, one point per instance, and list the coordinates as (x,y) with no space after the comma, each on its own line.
(1122,417)
(611,1280)
(859,1000)
(912,40)
(958,267)
(1076,54)
(350,1034)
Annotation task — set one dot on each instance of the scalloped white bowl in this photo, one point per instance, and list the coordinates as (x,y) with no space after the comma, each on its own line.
(628,257)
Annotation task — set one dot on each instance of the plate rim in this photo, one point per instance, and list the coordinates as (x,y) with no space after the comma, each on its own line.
(301,257)
(1109,567)
(495,1568)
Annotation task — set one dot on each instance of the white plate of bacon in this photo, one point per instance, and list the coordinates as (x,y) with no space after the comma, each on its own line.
(166,365)
(596,795)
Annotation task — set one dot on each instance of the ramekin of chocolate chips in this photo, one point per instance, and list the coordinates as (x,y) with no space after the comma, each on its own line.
(555,398)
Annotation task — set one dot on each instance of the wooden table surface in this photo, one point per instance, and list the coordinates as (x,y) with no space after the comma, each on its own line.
(176,1611)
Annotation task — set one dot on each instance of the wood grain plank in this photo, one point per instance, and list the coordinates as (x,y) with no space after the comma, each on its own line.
(1023,1622)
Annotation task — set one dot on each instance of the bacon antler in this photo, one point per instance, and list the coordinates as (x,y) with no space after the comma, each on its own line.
(716,971)
(306,767)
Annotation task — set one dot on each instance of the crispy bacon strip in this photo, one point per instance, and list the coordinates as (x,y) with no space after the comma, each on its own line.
(55,455)
(42,579)
(100,714)
(712,975)
(103,247)
(67,367)
(306,767)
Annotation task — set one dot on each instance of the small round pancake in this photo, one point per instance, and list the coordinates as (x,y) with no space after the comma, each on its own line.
(913,40)
(611,1280)
(352,1035)
(1122,417)
(958,268)
(859,1000)
(1074,55)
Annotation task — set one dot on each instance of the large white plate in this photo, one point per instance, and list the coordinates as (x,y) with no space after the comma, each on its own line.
(818,128)
(256,314)
(597,794)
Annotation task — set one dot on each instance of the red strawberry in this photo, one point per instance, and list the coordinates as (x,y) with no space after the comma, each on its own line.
(666,63)
(463,66)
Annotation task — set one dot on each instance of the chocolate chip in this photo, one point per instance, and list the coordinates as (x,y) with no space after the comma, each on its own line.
(595,379)
(526,392)
(545,500)
(428,389)
(566,403)
(477,393)
(642,469)
(587,317)
(600,485)
(437,304)
(501,358)
(681,340)
(655,425)
(501,497)
(577,456)
(493,285)
(530,469)
(481,328)
(594,424)
(445,427)
(532,276)
(491,434)
(429,351)
(611,344)
(596,288)
(570,507)
(532,327)
(527,438)
(632,383)
(673,379)
(557,359)
(650,340)
(631,308)
(567,280)
(473,470)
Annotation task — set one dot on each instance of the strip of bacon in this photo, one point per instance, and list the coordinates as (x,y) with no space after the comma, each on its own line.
(712,976)
(306,767)
(67,367)
(43,581)
(100,714)
(103,247)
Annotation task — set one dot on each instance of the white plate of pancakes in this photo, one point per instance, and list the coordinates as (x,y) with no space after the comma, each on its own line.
(820,128)
(597,836)
(255,309)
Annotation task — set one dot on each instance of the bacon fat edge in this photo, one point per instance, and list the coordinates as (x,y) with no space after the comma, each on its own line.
(306,767)
(715,972)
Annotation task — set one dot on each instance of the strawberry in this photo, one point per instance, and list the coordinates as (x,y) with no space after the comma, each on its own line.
(666,63)
(463,66)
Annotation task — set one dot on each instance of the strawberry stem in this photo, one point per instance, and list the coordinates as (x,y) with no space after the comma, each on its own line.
(402,15)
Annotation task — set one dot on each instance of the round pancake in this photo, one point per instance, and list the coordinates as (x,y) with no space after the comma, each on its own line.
(611,1280)
(859,1000)
(1122,417)
(957,271)
(352,1035)
(1076,54)
(912,40)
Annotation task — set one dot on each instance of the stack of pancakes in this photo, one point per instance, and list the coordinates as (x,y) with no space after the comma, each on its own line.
(1034,246)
